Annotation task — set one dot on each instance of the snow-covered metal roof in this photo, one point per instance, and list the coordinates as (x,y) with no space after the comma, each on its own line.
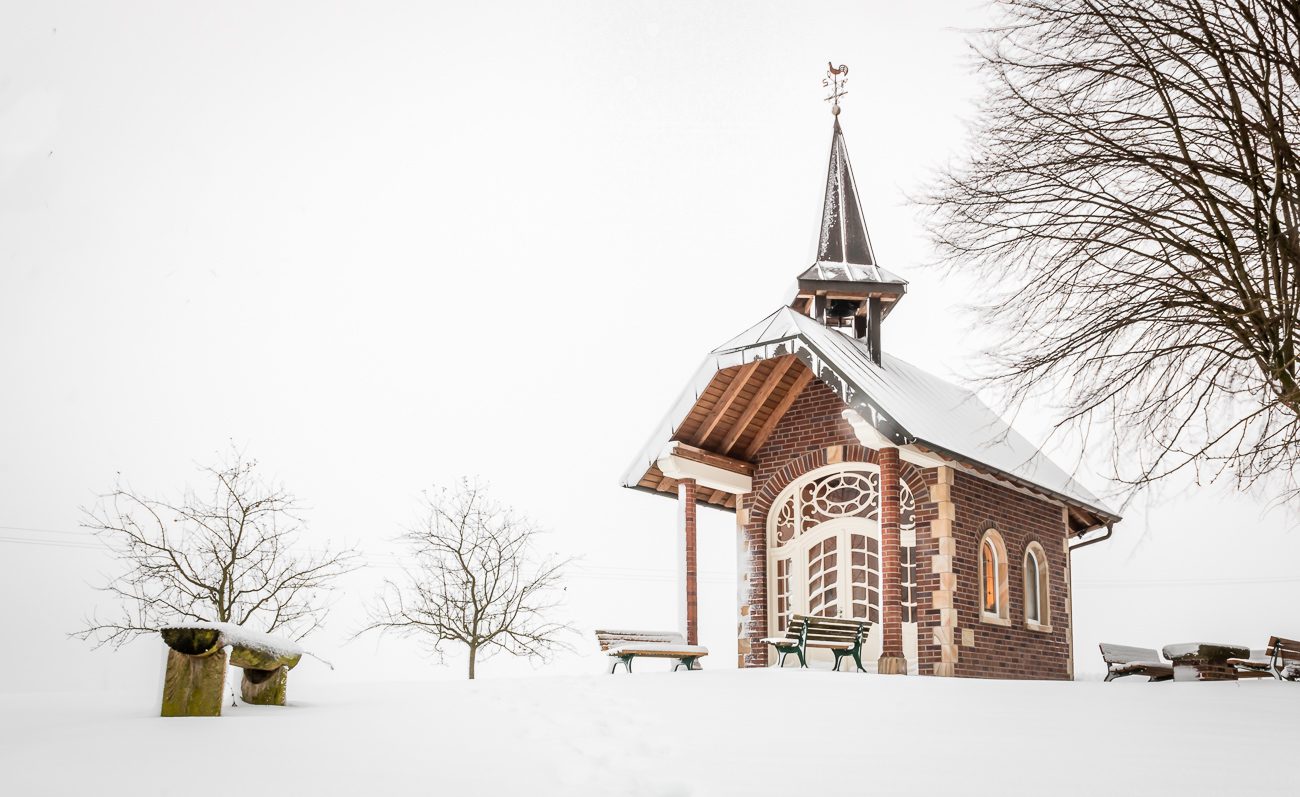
(844,237)
(903,402)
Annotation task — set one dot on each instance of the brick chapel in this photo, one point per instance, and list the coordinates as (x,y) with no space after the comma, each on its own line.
(863,487)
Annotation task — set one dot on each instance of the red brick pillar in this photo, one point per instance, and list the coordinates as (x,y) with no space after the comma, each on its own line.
(892,660)
(689,617)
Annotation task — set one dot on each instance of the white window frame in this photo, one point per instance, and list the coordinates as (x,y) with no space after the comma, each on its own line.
(1043,588)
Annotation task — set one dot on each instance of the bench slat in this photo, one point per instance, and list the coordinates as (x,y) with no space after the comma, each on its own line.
(610,638)
(1123,654)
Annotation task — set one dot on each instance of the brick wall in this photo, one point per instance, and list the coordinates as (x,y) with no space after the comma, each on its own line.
(812,434)
(1012,651)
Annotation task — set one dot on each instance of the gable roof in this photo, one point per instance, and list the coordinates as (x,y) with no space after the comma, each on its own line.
(904,403)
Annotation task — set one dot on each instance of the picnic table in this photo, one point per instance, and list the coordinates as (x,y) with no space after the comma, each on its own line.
(1204,661)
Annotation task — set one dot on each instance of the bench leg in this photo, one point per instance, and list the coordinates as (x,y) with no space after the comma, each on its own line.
(857,659)
(838,658)
(803,662)
(687,661)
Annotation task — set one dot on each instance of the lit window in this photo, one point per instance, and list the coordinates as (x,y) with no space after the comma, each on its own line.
(993,577)
(990,578)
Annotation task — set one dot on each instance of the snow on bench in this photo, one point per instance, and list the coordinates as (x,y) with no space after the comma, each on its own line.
(1281,659)
(196,667)
(627,645)
(1122,660)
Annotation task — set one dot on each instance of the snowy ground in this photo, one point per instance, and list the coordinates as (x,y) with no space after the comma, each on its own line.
(656,733)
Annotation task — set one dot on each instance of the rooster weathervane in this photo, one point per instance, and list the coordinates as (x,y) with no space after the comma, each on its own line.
(836,77)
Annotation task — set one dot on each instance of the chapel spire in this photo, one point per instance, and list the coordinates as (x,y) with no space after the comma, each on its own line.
(845,286)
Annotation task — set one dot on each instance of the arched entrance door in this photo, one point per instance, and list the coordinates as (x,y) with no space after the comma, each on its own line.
(824,550)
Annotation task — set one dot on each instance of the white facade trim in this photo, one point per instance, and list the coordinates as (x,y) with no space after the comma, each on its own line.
(714,478)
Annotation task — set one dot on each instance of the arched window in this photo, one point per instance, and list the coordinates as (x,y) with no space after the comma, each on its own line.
(1036,592)
(993,578)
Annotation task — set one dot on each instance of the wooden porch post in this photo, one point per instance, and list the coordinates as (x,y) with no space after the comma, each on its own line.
(688,610)
(892,659)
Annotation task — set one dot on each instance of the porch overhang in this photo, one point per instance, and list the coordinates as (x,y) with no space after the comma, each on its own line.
(711,471)
(743,389)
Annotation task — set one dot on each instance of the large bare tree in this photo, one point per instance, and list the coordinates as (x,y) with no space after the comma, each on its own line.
(230,553)
(1131,204)
(474,579)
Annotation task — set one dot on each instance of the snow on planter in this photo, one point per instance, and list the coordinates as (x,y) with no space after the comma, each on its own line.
(196,667)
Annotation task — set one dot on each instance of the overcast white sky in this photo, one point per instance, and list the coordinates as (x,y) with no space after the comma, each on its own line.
(381,245)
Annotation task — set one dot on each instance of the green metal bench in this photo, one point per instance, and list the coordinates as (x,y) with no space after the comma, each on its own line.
(841,637)
(627,645)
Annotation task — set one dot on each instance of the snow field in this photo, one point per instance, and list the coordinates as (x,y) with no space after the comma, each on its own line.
(667,734)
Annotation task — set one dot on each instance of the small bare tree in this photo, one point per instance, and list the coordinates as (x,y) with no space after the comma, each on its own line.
(474,580)
(1131,204)
(227,555)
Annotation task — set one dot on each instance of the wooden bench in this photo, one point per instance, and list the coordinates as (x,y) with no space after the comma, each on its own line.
(627,645)
(1281,659)
(841,637)
(1122,660)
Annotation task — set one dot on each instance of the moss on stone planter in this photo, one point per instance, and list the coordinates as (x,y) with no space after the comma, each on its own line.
(194,686)
(265,687)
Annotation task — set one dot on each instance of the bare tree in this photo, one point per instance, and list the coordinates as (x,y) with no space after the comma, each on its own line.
(1131,203)
(474,580)
(230,554)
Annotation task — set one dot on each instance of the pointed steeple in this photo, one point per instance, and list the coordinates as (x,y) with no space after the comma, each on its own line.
(845,286)
(844,237)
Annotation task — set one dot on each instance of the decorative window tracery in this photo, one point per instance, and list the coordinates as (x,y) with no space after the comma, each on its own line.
(907,552)
(848,493)
(845,493)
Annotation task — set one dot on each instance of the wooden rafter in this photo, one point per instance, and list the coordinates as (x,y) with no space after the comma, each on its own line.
(710,458)
(770,384)
(805,376)
(725,401)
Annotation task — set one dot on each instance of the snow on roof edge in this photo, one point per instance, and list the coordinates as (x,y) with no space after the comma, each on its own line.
(1005,451)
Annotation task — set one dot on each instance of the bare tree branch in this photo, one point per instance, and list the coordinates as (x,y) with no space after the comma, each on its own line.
(1132,206)
(474,581)
(225,556)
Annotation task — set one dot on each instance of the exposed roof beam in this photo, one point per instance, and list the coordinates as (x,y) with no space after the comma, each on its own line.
(725,401)
(779,370)
(769,425)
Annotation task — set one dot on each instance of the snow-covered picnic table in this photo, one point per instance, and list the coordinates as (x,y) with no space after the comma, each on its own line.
(1204,661)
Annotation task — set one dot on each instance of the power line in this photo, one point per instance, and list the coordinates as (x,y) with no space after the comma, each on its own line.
(84,533)
(617,572)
